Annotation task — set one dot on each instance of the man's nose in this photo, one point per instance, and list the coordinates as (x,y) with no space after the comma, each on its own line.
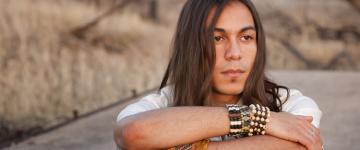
(234,51)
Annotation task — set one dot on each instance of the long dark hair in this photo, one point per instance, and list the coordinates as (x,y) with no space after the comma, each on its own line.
(193,58)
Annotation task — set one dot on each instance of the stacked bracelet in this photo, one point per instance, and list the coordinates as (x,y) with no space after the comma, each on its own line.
(260,116)
(247,121)
(236,119)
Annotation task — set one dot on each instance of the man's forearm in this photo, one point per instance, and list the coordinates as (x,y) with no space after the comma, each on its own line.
(172,126)
(256,143)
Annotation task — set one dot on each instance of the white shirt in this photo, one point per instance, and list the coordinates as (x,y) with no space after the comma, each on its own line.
(296,104)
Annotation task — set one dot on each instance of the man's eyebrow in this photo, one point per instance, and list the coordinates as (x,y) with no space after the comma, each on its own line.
(219,30)
(247,28)
(242,30)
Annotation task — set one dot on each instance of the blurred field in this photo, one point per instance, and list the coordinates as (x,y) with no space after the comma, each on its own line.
(312,34)
(50,75)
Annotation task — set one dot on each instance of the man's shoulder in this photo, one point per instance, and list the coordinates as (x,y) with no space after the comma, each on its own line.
(290,93)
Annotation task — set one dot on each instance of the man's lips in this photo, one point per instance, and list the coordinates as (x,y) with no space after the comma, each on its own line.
(233,72)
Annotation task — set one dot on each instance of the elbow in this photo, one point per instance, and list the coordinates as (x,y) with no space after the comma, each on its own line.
(127,135)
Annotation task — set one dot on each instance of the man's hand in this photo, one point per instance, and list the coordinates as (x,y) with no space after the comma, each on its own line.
(295,128)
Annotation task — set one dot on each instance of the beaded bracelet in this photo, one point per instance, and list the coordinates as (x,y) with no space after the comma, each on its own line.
(259,119)
(239,117)
(247,121)
(235,117)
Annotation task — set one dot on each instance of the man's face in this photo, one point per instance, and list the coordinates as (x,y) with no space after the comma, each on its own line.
(235,44)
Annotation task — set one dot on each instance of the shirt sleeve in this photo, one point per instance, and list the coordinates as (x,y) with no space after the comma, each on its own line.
(298,104)
(152,101)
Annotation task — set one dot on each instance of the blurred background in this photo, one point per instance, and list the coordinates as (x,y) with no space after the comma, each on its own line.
(61,60)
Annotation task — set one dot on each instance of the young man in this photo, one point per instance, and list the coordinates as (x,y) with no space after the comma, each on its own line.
(219,59)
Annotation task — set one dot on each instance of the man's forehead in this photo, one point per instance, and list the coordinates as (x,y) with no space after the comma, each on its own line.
(235,16)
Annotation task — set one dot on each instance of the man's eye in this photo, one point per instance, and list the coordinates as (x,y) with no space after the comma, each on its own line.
(218,38)
(246,38)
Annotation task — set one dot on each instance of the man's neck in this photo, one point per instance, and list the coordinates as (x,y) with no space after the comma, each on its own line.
(220,100)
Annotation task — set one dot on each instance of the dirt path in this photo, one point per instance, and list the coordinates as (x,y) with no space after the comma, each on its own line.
(337,93)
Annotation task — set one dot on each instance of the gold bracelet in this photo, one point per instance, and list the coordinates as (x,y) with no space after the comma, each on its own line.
(199,145)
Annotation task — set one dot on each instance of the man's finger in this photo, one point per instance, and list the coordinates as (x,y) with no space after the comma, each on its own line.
(308,118)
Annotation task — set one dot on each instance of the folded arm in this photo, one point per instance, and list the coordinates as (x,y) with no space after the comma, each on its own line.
(168,127)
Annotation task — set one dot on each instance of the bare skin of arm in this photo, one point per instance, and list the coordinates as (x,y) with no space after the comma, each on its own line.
(168,127)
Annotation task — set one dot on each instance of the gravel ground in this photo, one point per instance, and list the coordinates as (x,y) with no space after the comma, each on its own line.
(337,93)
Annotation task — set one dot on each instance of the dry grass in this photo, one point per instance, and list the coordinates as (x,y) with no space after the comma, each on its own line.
(46,73)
